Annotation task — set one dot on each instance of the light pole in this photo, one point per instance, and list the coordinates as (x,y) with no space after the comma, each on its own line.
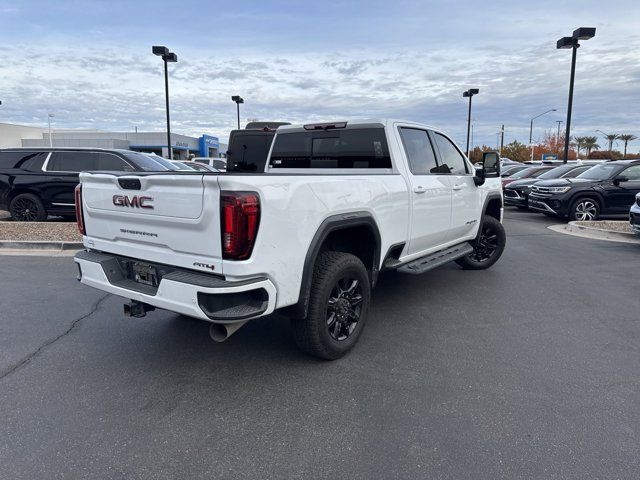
(469,93)
(49,117)
(531,129)
(167,56)
(238,99)
(582,33)
(559,122)
(501,138)
(610,138)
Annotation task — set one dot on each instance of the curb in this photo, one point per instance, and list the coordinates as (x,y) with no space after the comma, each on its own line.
(594,233)
(57,246)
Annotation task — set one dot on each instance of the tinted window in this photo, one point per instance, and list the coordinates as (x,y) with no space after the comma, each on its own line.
(422,159)
(30,161)
(108,161)
(451,159)
(72,161)
(522,173)
(632,173)
(340,148)
(248,152)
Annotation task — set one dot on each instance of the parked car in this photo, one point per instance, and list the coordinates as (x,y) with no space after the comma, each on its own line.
(634,215)
(527,172)
(335,204)
(605,189)
(37,182)
(516,193)
(218,163)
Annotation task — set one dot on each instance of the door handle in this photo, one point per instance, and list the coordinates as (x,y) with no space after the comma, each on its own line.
(457,187)
(419,190)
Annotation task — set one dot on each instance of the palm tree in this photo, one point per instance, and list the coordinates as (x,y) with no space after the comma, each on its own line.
(579,143)
(590,143)
(626,138)
(611,137)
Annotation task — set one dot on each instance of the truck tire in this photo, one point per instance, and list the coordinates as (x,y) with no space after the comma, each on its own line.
(338,306)
(487,247)
(27,207)
(584,209)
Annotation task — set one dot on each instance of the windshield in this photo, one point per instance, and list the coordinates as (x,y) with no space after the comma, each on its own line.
(557,172)
(599,172)
(522,173)
(150,163)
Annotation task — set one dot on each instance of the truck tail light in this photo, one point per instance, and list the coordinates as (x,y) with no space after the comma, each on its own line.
(79,213)
(239,221)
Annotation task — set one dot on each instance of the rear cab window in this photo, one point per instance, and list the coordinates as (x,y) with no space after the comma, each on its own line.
(357,147)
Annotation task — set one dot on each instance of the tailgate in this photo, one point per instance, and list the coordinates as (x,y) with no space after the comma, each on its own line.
(170,218)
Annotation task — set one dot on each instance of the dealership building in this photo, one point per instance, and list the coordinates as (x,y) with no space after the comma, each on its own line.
(184,146)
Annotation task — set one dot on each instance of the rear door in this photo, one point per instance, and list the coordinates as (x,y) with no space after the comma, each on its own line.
(63,169)
(171,218)
(430,192)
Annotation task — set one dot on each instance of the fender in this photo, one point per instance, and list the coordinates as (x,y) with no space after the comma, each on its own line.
(490,196)
(588,192)
(331,224)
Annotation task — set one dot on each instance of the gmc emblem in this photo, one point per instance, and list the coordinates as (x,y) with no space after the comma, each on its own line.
(135,201)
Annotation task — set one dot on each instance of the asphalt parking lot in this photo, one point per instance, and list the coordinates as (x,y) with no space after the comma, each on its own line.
(528,370)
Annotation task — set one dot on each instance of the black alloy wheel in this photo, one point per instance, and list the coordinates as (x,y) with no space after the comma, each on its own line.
(487,247)
(344,307)
(27,207)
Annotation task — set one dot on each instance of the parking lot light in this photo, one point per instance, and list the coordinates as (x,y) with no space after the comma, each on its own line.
(49,117)
(582,33)
(531,129)
(167,56)
(469,93)
(238,99)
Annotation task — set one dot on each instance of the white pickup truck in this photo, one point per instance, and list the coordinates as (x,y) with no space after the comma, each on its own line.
(337,203)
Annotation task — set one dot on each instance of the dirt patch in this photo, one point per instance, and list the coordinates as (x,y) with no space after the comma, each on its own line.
(40,231)
(620,226)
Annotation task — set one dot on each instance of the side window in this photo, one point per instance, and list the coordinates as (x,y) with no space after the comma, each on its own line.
(29,161)
(110,162)
(72,161)
(422,159)
(451,159)
(632,173)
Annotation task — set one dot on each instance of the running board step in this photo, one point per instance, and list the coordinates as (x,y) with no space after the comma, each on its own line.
(424,264)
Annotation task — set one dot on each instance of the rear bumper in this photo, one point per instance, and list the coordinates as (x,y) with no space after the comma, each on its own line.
(198,295)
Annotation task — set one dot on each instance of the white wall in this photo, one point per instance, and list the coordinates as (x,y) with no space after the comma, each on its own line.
(11,135)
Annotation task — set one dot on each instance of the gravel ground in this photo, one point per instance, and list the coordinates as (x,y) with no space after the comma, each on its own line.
(40,231)
(608,225)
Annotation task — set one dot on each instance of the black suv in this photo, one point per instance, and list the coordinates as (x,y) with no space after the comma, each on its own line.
(37,182)
(606,189)
(516,193)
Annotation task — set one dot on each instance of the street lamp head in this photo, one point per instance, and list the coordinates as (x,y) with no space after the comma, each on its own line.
(237,99)
(584,33)
(566,42)
(51,115)
(170,57)
(161,51)
(471,92)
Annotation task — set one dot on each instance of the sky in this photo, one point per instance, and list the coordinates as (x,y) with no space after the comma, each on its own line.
(90,64)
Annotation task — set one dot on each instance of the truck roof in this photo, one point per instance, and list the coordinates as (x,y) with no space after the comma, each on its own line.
(365,122)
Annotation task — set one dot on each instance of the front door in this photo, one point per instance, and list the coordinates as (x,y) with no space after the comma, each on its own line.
(622,196)
(430,193)
(465,198)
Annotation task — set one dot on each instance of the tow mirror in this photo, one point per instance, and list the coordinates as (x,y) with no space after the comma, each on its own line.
(490,167)
(618,180)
